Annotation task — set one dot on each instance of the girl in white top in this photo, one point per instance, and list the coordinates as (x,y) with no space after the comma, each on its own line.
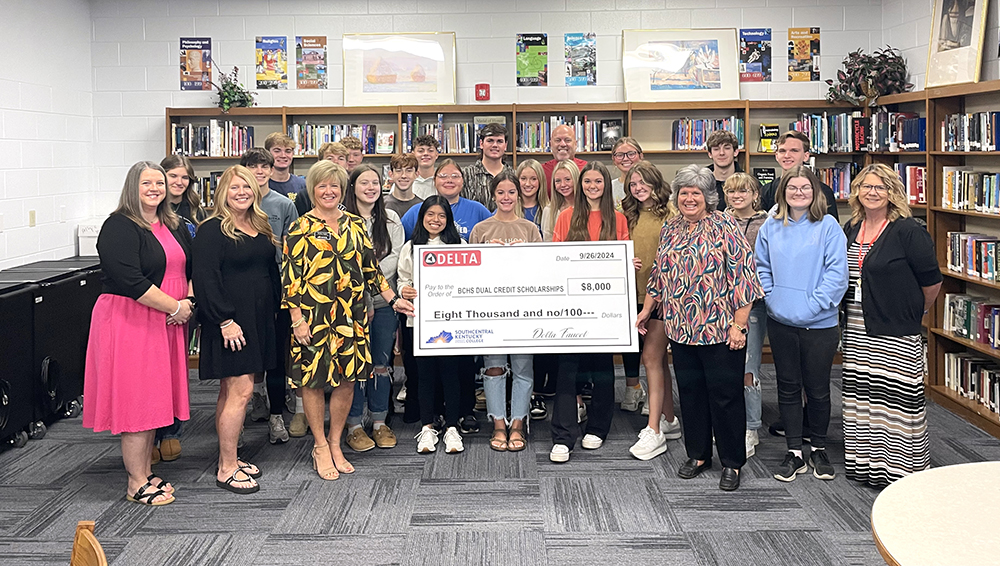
(435,226)
(625,153)
(530,175)
(564,178)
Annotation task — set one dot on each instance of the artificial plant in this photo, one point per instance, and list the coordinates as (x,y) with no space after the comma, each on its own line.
(232,93)
(865,77)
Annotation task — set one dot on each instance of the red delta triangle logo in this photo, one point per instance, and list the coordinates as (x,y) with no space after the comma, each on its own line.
(458,258)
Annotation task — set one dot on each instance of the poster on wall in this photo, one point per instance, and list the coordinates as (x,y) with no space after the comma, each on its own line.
(955,53)
(196,63)
(272,62)
(755,55)
(581,59)
(532,59)
(803,54)
(680,65)
(310,59)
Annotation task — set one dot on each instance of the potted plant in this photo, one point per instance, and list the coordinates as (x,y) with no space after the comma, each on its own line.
(231,93)
(865,77)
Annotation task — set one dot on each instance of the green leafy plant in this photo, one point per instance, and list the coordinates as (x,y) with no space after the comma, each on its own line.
(232,93)
(865,77)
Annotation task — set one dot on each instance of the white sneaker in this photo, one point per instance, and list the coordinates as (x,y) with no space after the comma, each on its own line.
(645,410)
(752,441)
(401,396)
(670,430)
(592,442)
(277,434)
(581,413)
(634,396)
(453,441)
(259,410)
(650,445)
(427,440)
(559,453)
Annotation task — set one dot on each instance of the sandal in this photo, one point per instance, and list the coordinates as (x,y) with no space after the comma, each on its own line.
(250,469)
(345,468)
(143,498)
(498,441)
(164,484)
(327,472)
(228,484)
(516,444)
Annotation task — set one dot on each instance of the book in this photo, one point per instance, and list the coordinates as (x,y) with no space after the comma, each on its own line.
(764,175)
(386,142)
(611,132)
(769,138)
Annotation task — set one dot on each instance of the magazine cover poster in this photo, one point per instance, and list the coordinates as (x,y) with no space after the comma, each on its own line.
(755,55)
(196,63)
(581,59)
(532,59)
(272,62)
(803,54)
(310,58)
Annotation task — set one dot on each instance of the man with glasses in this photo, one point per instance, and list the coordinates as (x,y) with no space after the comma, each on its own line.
(563,145)
(492,146)
(723,148)
(793,150)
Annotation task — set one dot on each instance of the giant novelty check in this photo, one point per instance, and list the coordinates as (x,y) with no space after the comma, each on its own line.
(526,298)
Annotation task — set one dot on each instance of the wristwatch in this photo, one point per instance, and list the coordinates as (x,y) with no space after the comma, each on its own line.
(392,303)
(742,329)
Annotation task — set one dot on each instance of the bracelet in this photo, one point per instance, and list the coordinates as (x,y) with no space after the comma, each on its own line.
(392,303)
(178,309)
(221,326)
(298,322)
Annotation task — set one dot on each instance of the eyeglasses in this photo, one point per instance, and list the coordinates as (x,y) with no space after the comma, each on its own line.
(622,155)
(878,189)
(453,176)
(802,190)
(737,192)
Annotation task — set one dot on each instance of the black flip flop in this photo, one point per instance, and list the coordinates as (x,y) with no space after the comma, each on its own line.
(161,485)
(143,498)
(228,484)
(245,466)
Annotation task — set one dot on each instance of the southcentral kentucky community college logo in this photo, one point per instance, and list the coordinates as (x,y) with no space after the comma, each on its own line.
(442,338)
(456,258)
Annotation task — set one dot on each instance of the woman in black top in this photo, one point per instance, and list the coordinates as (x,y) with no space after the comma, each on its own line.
(136,374)
(894,279)
(237,283)
(183,190)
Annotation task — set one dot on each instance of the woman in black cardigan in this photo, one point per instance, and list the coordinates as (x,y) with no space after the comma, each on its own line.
(894,279)
(136,375)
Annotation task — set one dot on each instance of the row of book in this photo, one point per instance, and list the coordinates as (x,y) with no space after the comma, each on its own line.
(839,177)
(852,132)
(828,133)
(966,189)
(893,131)
(218,139)
(310,137)
(972,318)
(914,177)
(974,378)
(975,131)
(692,134)
(461,137)
(973,254)
(591,135)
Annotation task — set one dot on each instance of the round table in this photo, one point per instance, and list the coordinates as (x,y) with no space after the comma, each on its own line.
(941,516)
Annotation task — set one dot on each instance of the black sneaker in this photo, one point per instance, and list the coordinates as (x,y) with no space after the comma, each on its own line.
(538,409)
(777,429)
(468,425)
(439,423)
(587,391)
(822,469)
(789,467)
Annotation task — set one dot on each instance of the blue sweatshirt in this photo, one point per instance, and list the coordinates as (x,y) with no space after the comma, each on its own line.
(803,270)
(467,214)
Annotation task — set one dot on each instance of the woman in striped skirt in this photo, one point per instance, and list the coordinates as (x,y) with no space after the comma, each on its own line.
(894,279)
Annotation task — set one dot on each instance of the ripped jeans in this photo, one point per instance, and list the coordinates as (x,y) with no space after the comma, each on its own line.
(375,392)
(495,386)
(757,330)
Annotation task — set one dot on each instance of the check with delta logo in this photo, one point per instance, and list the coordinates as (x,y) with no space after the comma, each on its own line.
(525,298)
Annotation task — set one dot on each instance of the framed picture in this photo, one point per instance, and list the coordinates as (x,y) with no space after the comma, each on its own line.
(390,69)
(955,54)
(680,65)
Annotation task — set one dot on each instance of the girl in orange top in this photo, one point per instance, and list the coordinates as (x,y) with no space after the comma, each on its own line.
(592,218)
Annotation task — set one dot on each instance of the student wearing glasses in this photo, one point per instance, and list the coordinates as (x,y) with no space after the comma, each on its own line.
(625,153)
(448,181)
(894,279)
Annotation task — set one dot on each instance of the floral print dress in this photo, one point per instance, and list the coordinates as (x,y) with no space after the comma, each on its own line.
(325,273)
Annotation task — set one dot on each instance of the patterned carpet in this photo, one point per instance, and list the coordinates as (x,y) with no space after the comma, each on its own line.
(480,507)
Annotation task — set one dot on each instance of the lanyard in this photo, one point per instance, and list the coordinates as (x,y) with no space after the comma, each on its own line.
(861,250)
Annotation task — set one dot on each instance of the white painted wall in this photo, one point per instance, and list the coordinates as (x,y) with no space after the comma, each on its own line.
(46,128)
(907,25)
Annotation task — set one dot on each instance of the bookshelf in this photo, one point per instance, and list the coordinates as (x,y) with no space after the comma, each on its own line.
(941,341)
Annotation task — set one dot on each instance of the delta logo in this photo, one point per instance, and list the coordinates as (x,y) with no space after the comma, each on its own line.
(442,338)
(457,258)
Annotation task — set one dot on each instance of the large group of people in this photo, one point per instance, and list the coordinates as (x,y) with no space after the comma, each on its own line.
(302,289)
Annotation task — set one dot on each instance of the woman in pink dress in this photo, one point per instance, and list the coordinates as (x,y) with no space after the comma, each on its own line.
(136,375)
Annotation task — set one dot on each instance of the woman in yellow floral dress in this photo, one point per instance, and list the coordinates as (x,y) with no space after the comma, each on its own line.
(328,264)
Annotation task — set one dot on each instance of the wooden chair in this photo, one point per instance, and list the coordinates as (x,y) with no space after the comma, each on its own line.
(86,550)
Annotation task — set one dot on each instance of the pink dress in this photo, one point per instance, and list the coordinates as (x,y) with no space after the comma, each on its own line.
(136,377)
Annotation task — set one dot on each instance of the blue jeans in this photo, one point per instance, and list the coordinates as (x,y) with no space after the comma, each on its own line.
(169,431)
(757,330)
(495,386)
(377,389)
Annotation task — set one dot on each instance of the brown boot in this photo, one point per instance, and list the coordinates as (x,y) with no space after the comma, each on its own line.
(170,449)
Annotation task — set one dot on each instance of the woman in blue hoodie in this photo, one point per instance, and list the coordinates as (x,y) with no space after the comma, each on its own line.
(802,264)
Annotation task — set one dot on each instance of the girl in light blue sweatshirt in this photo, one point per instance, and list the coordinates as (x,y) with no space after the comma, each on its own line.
(801,256)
